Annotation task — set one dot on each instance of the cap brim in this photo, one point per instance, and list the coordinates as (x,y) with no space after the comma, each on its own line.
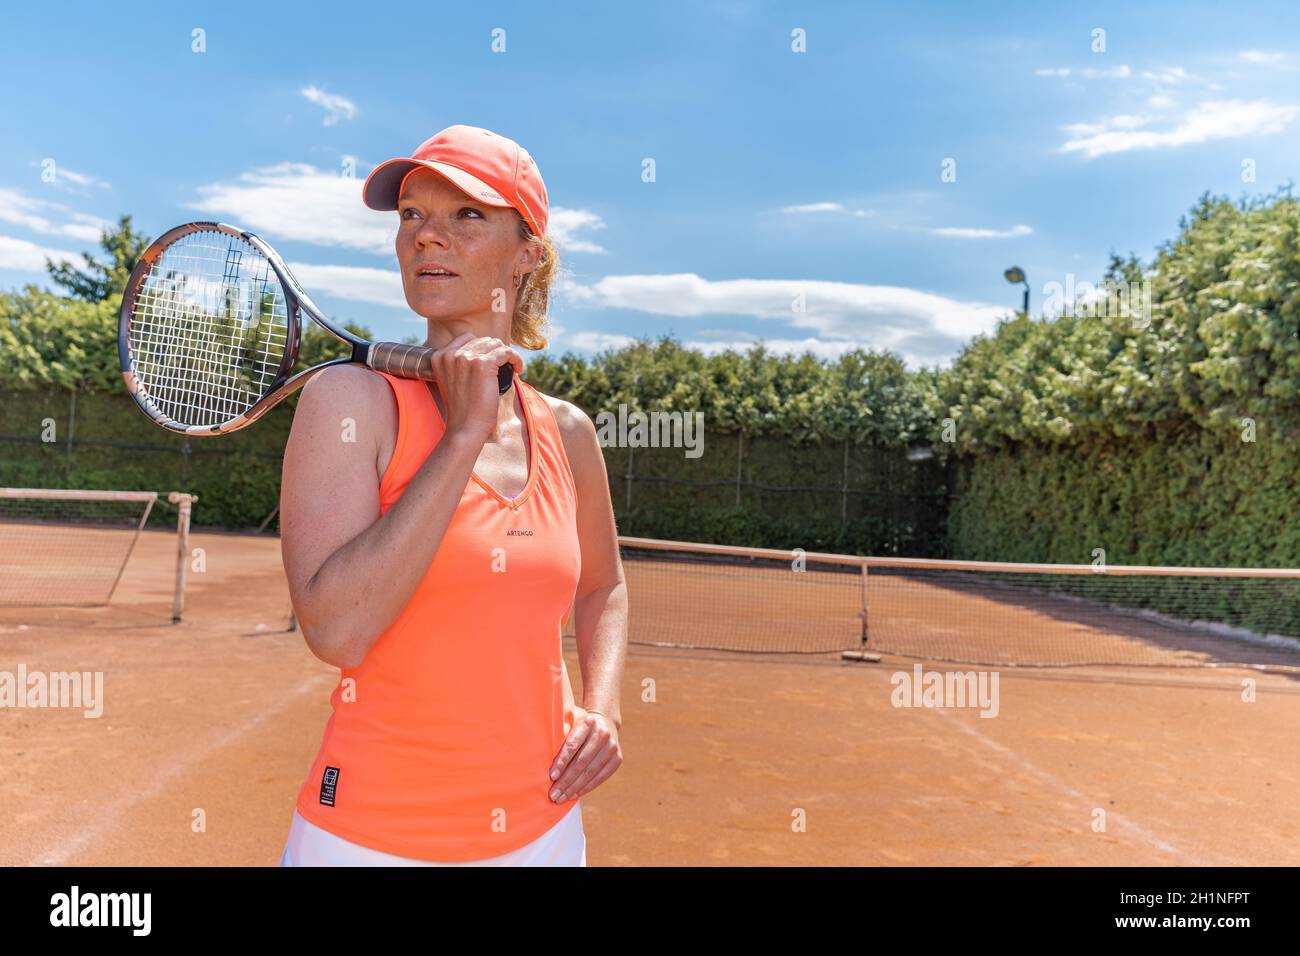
(382,185)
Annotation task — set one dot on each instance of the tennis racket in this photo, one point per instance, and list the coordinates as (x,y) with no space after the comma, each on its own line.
(209,331)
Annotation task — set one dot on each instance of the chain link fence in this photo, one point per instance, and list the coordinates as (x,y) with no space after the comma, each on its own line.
(751,490)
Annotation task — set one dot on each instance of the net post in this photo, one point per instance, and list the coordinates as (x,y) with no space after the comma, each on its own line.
(862,654)
(863,612)
(182,549)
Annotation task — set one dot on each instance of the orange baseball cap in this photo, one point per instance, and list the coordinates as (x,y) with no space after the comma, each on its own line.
(491,168)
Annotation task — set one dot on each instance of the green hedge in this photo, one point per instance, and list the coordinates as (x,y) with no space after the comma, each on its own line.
(1187,497)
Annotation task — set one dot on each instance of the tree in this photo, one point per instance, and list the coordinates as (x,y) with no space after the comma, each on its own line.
(47,340)
(100,281)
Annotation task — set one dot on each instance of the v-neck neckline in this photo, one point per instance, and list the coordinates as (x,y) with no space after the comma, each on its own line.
(530,444)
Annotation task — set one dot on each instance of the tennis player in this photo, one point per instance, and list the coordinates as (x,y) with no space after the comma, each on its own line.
(435,536)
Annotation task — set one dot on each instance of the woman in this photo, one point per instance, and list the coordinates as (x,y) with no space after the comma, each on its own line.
(434,537)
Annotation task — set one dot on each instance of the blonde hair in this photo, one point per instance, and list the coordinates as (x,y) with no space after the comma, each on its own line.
(528,324)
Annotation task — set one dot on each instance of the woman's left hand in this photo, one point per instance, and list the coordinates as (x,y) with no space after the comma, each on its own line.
(590,755)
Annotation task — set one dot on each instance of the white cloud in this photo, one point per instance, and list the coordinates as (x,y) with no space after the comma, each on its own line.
(1113,73)
(955,232)
(298,202)
(1263,57)
(335,107)
(355,283)
(1123,121)
(814,207)
(921,326)
(818,347)
(49,218)
(1160,101)
(78,179)
(1168,76)
(1128,121)
(68,180)
(562,225)
(1173,74)
(734,341)
(595,341)
(825,207)
(24,256)
(1088,72)
(1211,120)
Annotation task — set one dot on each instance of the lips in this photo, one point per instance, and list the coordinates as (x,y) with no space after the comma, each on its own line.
(434,272)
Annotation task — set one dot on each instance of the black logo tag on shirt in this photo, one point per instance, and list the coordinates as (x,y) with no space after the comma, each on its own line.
(328,785)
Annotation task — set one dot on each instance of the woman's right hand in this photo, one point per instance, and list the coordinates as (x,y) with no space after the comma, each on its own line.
(465,370)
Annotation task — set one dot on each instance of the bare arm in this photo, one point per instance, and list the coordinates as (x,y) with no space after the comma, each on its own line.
(600,604)
(593,753)
(350,570)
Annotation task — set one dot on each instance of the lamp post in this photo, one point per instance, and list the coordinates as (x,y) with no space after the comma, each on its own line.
(1016,274)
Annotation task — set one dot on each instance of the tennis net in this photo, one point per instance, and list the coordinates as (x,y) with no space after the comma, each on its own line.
(69,548)
(720,597)
(63,547)
(1055,615)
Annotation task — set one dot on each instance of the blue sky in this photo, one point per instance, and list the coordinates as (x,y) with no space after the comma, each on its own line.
(779,175)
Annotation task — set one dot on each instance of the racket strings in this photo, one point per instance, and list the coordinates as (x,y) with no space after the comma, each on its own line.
(209,329)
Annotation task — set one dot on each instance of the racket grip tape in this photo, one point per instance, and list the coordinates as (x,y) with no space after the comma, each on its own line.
(416,361)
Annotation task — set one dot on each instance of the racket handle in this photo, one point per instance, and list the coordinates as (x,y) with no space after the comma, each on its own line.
(505,375)
(416,361)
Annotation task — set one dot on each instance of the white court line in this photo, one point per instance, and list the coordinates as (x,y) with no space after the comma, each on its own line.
(58,855)
(1134,829)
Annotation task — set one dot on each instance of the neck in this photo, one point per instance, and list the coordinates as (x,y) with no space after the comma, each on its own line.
(442,331)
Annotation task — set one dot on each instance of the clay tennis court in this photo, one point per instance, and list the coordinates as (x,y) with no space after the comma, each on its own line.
(223,714)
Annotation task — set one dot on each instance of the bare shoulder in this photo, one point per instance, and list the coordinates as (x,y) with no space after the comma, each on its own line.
(345,408)
(573,421)
(343,392)
(579,434)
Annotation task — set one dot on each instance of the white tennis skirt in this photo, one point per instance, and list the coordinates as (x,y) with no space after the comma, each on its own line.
(564,844)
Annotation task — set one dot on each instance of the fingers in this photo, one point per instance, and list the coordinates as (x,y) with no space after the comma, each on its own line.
(572,744)
(597,757)
(489,352)
(479,356)
(505,355)
(600,769)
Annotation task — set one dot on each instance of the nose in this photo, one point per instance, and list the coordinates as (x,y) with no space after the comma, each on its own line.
(430,232)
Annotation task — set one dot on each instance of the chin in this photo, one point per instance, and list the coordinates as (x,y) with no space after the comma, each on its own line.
(432,305)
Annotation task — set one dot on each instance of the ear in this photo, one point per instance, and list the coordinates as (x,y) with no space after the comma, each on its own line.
(530,257)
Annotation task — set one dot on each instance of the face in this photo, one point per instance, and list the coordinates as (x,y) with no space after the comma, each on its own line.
(441,227)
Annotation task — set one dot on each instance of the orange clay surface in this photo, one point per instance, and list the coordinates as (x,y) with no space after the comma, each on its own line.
(729,758)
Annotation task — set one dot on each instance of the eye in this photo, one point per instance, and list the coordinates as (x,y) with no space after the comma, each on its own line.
(405,210)
(473,210)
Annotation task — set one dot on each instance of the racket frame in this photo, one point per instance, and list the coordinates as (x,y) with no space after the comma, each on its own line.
(297,302)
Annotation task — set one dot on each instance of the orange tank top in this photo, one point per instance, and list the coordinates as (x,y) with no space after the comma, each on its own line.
(441,741)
